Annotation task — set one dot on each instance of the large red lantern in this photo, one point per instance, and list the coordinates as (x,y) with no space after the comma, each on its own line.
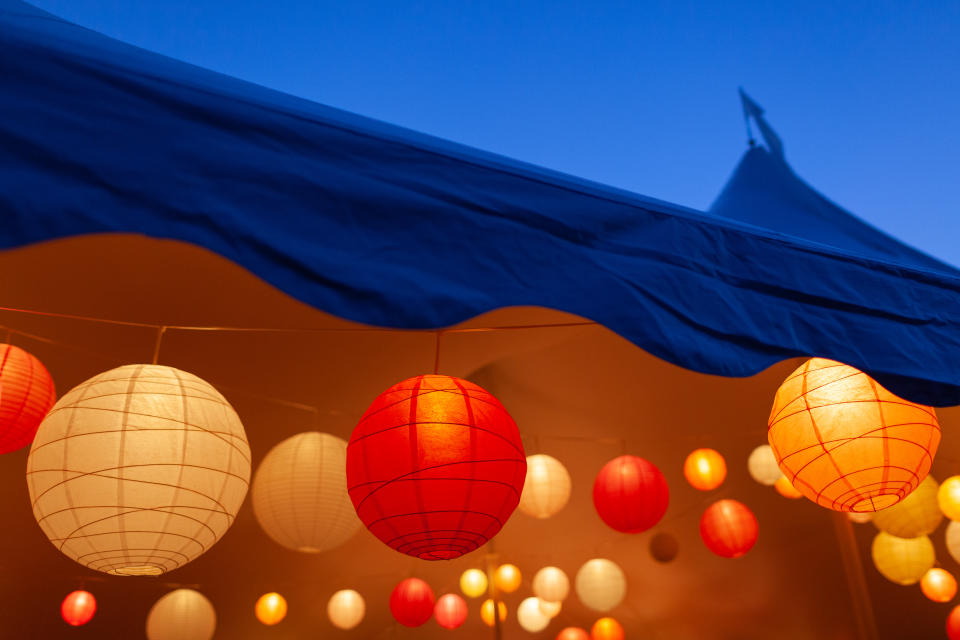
(451,611)
(728,528)
(411,602)
(78,608)
(435,467)
(630,494)
(26,395)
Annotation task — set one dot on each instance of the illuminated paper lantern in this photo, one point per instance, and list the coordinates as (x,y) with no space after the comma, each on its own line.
(953,624)
(411,602)
(138,470)
(271,608)
(847,443)
(948,497)
(785,488)
(486,612)
(435,467)
(902,560)
(530,617)
(938,585)
(728,528)
(473,583)
(573,633)
(600,584)
(507,578)
(953,540)
(664,547)
(630,494)
(916,515)
(762,465)
(546,489)
(705,469)
(183,614)
(450,611)
(551,584)
(606,629)
(78,608)
(859,518)
(26,395)
(549,609)
(346,609)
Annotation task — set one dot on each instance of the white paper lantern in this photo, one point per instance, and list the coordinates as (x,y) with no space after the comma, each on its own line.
(600,584)
(546,488)
(300,493)
(549,609)
(551,584)
(953,540)
(763,467)
(183,614)
(138,470)
(346,609)
(530,617)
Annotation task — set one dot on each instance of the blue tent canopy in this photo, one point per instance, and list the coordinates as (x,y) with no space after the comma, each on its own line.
(381,225)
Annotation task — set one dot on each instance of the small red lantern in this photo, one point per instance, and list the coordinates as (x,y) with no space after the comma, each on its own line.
(435,467)
(953,624)
(411,602)
(630,494)
(78,608)
(573,633)
(26,395)
(451,611)
(728,528)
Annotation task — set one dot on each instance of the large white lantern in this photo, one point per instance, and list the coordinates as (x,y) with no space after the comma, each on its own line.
(546,488)
(551,584)
(530,617)
(300,493)
(346,609)
(138,470)
(600,584)
(183,614)
(763,467)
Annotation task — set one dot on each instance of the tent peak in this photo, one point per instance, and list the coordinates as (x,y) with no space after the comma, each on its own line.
(753,110)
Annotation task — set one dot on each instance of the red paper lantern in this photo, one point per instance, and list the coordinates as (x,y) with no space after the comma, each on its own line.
(953,624)
(630,494)
(411,602)
(435,467)
(26,395)
(728,528)
(451,611)
(573,633)
(78,608)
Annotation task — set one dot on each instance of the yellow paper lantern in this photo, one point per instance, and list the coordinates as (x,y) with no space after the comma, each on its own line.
(948,497)
(183,614)
(549,609)
(939,585)
(486,612)
(138,470)
(902,560)
(860,518)
(600,584)
(763,467)
(705,469)
(551,584)
(507,578)
(786,489)
(530,617)
(546,489)
(346,609)
(847,443)
(271,608)
(473,583)
(953,540)
(300,493)
(916,515)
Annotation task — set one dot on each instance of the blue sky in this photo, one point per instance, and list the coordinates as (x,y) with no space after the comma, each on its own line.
(640,95)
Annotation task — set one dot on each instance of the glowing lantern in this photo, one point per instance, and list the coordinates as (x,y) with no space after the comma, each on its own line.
(600,584)
(486,612)
(551,584)
(26,395)
(630,494)
(271,608)
(847,443)
(546,489)
(573,633)
(78,608)
(859,518)
(530,617)
(948,497)
(549,609)
(728,528)
(346,609)
(953,540)
(939,585)
(300,493)
(916,515)
(451,611)
(138,470)
(785,488)
(606,629)
(664,547)
(762,465)
(705,469)
(473,583)
(953,624)
(411,602)
(507,578)
(435,467)
(183,614)
(902,560)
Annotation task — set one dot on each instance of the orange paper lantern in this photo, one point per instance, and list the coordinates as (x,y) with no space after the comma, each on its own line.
(411,602)
(486,612)
(606,629)
(26,395)
(573,633)
(705,469)
(271,608)
(450,611)
(78,608)
(507,578)
(787,490)
(630,494)
(953,624)
(939,585)
(728,528)
(847,443)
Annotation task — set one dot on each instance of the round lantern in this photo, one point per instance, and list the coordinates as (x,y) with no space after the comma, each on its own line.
(664,547)
(847,443)
(546,489)
(78,608)
(473,583)
(435,467)
(705,469)
(902,560)
(785,488)
(26,395)
(606,629)
(271,608)
(916,515)
(346,609)
(183,614)
(728,528)
(938,585)
(507,578)
(600,584)
(953,624)
(573,633)
(762,465)
(300,493)
(859,518)
(549,609)
(953,540)
(948,497)
(451,611)
(138,470)
(530,617)
(486,612)
(411,602)
(551,584)
(630,494)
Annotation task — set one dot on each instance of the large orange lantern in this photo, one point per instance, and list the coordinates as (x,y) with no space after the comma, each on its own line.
(435,467)
(847,443)
(573,633)
(26,395)
(630,494)
(728,528)
(78,608)
(938,585)
(411,602)
(606,629)
(705,469)
(450,611)
(271,608)
(953,624)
